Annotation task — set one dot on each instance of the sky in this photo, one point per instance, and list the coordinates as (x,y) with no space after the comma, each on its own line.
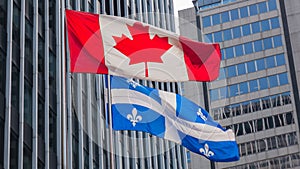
(181,4)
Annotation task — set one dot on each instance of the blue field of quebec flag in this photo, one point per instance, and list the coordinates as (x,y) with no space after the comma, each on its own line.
(171,117)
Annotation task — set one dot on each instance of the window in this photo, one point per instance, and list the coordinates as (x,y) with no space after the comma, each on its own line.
(41,118)
(2,73)
(286,97)
(52,131)
(246,107)
(251,66)
(280,60)
(214,94)
(289,118)
(238,50)
(227,34)
(275,100)
(265,26)
(236,109)
(29,10)
(28,103)
(241,68)
(234,14)
(277,41)
(206,21)
(236,32)
(262,7)
(270,124)
(278,123)
(266,103)
(253,85)
(27,158)
(273,81)
(272,5)
(223,53)
(263,83)
(222,74)
(267,43)
(283,79)
(229,52)
(91,6)
(256,105)
(258,46)
(216,19)
(270,62)
(231,71)
(233,90)
(225,17)
(223,92)
(260,64)
(248,48)
(255,27)
(259,125)
(274,23)
(246,30)
(244,88)
(218,37)
(15,88)
(248,129)
(242,149)
(13,151)
(244,12)
(253,10)
(209,38)
(1,141)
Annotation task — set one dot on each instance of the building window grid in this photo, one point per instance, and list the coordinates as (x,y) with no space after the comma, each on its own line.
(251,106)
(235,14)
(287,161)
(270,143)
(245,30)
(239,89)
(268,123)
(251,47)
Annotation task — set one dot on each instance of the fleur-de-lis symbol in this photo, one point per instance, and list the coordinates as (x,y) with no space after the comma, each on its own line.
(133,83)
(134,118)
(199,113)
(206,151)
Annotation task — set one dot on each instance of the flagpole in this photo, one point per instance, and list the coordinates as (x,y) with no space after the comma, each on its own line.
(110,124)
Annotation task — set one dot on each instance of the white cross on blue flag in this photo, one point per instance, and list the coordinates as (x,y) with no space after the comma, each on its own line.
(171,117)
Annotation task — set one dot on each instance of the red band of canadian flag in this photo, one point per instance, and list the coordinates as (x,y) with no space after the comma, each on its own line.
(113,45)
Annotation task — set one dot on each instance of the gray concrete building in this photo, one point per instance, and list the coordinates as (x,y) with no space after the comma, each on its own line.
(257,92)
(50,118)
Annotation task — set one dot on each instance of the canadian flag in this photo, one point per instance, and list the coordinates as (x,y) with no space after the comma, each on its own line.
(113,45)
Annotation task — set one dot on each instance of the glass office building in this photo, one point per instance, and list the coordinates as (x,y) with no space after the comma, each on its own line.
(50,118)
(257,92)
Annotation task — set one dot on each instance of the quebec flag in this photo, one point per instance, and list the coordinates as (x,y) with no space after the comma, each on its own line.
(171,117)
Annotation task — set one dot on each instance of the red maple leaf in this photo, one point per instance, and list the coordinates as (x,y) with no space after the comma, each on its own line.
(141,48)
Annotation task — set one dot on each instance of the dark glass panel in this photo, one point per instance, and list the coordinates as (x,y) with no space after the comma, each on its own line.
(1,142)
(52,131)
(13,151)
(2,72)
(27,161)
(28,103)
(15,88)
